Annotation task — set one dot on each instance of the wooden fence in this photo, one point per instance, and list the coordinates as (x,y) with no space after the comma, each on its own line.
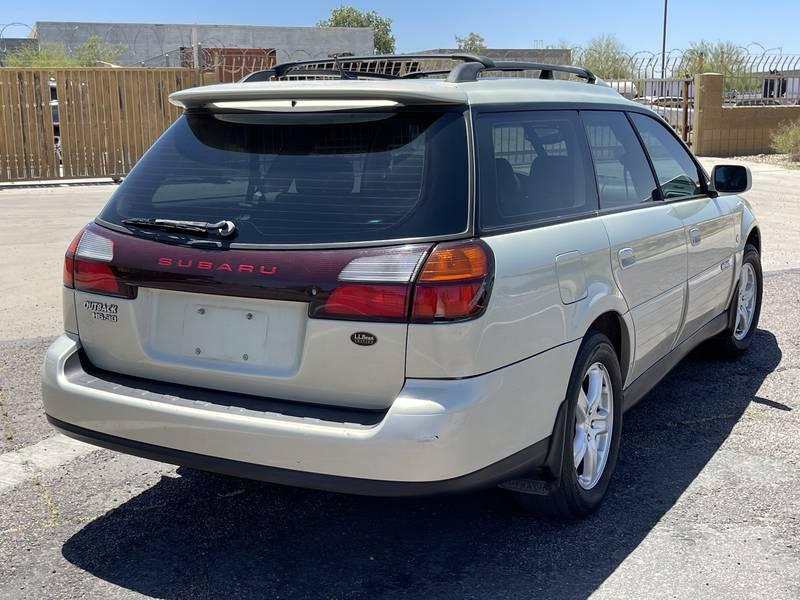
(27,139)
(75,123)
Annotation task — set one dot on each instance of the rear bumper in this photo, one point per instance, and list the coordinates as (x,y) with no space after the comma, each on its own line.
(513,466)
(438,435)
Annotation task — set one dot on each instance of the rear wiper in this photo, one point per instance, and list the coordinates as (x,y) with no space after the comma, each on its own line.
(222,228)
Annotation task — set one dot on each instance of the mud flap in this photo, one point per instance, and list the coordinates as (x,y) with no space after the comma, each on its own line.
(547,479)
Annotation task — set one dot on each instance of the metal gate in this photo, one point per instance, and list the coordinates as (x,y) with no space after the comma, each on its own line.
(673,99)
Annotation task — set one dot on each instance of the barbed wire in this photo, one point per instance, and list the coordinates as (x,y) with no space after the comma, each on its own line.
(682,63)
(752,60)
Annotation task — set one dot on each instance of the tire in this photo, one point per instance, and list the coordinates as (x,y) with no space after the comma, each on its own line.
(738,337)
(578,494)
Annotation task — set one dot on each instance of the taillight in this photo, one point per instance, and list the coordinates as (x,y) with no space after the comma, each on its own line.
(69,260)
(87,268)
(373,288)
(452,283)
(370,302)
(446,302)
(96,277)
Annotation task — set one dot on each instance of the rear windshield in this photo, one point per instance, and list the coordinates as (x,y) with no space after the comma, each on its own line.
(307,178)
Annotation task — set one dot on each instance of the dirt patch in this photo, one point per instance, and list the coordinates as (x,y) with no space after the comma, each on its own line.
(781,160)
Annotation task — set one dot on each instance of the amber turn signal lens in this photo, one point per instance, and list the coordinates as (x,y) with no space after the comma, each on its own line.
(454,283)
(466,261)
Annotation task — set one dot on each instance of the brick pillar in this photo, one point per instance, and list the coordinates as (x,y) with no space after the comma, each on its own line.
(707,114)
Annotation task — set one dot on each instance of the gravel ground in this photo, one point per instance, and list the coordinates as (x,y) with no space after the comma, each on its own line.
(781,160)
(21,422)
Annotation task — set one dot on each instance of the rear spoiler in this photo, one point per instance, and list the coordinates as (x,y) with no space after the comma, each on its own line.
(268,95)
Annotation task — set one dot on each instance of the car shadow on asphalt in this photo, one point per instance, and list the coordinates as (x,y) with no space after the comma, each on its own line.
(203,535)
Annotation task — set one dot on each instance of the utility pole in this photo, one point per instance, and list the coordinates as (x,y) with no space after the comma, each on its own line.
(664,42)
(664,48)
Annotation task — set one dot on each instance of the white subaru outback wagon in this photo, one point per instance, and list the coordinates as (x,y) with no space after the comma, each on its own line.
(401,284)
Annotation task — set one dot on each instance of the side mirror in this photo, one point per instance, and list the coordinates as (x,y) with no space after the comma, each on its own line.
(731,179)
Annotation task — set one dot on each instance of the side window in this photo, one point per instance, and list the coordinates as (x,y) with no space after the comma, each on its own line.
(675,169)
(624,177)
(533,166)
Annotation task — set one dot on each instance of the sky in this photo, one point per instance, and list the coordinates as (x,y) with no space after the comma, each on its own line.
(421,24)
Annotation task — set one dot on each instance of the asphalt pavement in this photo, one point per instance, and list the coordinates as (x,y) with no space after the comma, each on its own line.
(704,503)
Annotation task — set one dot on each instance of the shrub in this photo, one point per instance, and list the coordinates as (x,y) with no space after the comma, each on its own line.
(787,140)
(88,54)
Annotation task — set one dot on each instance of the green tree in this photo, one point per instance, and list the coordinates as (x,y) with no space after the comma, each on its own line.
(718,57)
(55,55)
(349,16)
(472,43)
(606,56)
(95,50)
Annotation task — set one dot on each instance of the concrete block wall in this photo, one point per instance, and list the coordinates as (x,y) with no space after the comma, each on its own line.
(733,130)
(149,43)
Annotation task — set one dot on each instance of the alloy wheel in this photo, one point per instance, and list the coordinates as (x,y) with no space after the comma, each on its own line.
(594,421)
(746,306)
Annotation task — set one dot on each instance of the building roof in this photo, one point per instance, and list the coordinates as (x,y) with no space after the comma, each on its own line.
(118,24)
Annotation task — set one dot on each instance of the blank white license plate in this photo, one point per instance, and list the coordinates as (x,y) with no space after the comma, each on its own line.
(225,334)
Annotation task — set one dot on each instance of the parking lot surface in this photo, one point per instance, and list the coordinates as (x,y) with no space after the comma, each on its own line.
(704,503)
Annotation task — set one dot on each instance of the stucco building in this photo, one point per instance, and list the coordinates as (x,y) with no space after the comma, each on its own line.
(159,44)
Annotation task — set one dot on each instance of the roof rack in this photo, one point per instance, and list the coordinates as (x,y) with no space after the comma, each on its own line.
(468,68)
(283,69)
(470,71)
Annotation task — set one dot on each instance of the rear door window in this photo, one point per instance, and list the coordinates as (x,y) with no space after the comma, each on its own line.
(624,177)
(534,166)
(307,178)
(676,171)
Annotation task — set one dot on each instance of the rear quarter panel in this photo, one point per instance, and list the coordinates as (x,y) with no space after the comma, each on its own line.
(527,312)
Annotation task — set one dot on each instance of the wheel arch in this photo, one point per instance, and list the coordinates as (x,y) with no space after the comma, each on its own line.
(614,326)
(750,229)
(754,237)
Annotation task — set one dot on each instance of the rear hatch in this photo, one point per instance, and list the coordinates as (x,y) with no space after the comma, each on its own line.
(308,297)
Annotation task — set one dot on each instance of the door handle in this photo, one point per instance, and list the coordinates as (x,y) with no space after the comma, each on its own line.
(695,236)
(627,258)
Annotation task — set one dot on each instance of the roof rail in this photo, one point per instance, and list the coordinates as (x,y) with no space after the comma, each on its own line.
(469,68)
(283,69)
(470,71)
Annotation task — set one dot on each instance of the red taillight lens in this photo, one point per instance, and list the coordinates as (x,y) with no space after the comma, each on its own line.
(366,302)
(454,283)
(87,268)
(69,260)
(446,302)
(95,277)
